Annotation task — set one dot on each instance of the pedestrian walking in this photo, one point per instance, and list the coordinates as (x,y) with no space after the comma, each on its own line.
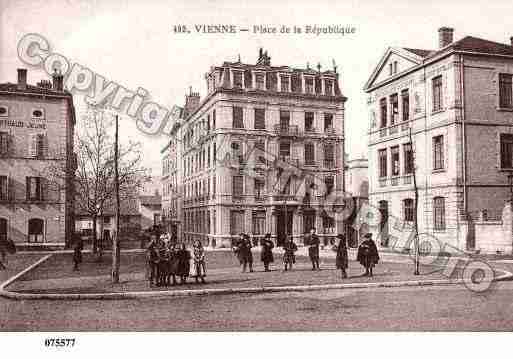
(267,251)
(243,250)
(313,243)
(184,265)
(368,254)
(200,267)
(78,246)
(341,259)
(289,256)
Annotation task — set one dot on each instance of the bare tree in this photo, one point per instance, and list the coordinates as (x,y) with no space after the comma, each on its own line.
(93,186)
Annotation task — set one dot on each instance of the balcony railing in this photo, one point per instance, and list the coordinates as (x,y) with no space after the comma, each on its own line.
(405,126)
(329,131)
(329,164)
(286,130)
(310,130)
(382,182)
(407,179)
(393,129)
(394,181)
(382,132)
(284,197)
(260,198)
(289,160)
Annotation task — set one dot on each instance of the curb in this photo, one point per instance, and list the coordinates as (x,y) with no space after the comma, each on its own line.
(217,291)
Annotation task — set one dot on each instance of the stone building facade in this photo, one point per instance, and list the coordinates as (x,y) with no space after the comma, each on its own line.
(456,102)
(36,136)
(171,185)
(260,153)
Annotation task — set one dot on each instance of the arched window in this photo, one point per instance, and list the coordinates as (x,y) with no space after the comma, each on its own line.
(36,230)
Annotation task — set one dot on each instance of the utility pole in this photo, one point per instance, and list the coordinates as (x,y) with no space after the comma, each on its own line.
(115,239)
(415,221)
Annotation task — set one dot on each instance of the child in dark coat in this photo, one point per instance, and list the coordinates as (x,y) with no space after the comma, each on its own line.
(289,257)
(267,251)
(152,257)
(368,254)
(77,252)
(342,259)
(184,265)
(199,261)
(243,251)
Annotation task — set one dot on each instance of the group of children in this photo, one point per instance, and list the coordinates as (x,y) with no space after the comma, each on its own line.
(367,252)
(168,260)
(242,248)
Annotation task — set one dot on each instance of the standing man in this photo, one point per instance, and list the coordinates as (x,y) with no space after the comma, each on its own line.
(313,249)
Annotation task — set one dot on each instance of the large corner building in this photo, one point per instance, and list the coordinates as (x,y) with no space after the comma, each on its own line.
(240,156)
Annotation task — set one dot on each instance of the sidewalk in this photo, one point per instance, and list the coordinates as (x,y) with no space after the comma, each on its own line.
(230,277)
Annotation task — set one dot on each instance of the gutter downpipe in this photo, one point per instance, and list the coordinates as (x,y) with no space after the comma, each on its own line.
(463,140)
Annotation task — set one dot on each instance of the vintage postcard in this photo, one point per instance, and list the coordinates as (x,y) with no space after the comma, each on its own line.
(224,166)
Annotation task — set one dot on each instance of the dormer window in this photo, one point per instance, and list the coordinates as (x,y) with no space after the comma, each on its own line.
(329,87)
(309,85)
(38,114)
(4,111)
(285,83)
(260,81)
(237,79)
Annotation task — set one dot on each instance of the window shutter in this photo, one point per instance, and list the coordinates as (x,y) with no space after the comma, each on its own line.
(10,189)
(44,141)
(44,195)
(27,188)
(33,145)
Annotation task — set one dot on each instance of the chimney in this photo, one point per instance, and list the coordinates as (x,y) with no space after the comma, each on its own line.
(511,40)
(22,79)
(445,36)
(192,101)
(58,80)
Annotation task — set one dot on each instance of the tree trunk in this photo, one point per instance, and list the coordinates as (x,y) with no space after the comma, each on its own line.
(95,240)
(115,239)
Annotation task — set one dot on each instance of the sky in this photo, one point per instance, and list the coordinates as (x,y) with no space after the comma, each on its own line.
(133,43)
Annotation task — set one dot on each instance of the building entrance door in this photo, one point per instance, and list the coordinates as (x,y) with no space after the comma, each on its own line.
(283,226)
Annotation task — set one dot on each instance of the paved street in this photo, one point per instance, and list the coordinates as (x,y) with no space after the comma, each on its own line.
(418,308)
(429,308)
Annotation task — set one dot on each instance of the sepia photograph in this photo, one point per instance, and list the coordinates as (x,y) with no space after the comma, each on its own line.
(216,167)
